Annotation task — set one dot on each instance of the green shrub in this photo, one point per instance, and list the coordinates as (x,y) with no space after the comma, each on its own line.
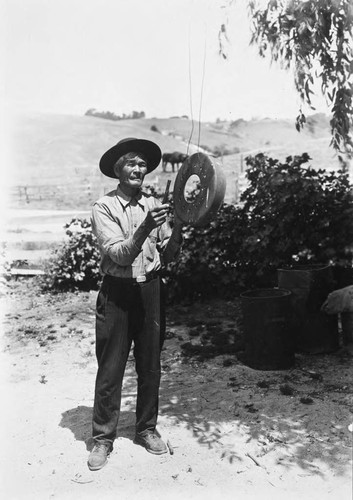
(154,128)
(75,264)
(296,214)
(206,265)
(290,214)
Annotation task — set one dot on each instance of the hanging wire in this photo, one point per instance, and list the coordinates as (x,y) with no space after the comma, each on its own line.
(190,95)
(190,90)
(201,95)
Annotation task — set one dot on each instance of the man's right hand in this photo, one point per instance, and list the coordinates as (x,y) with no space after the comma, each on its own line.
(157,216)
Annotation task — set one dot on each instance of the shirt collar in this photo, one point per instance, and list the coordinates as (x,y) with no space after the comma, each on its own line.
(125,200)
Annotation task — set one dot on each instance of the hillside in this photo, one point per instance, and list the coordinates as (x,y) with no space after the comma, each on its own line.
(55,157)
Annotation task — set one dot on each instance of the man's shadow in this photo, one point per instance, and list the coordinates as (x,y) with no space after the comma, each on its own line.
(79,421)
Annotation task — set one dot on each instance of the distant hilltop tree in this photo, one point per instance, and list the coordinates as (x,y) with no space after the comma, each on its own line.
(185,117)
(109,115)
(154,128)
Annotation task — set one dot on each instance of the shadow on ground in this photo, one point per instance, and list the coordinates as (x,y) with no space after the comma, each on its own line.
(297,417)
(303,413)
(79,421)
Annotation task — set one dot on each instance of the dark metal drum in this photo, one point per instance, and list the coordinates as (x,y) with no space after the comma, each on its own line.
(210,195)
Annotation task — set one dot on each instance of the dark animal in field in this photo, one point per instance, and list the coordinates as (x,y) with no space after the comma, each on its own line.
(175,159)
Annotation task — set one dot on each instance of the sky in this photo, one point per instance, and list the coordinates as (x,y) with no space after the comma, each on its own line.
(156,56)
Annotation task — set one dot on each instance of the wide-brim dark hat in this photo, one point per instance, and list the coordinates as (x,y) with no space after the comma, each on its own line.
(149,149)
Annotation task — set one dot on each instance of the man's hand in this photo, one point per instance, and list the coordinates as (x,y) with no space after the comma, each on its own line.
(157,216)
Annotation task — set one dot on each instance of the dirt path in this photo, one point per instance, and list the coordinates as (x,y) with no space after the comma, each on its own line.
(234,433)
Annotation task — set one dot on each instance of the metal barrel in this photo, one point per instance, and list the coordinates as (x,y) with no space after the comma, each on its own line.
(267,334)
(314,331)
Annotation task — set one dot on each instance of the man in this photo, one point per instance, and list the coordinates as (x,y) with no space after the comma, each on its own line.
(134,238)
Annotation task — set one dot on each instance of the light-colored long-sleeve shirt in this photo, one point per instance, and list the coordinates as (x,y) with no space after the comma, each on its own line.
(115,218)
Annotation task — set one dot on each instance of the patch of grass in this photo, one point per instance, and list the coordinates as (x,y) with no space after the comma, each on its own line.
(37,245)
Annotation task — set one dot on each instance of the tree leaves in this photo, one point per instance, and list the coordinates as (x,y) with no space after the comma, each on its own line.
(311,34)
(75,264)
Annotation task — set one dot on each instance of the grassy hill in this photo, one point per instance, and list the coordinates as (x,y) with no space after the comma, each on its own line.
(55,157)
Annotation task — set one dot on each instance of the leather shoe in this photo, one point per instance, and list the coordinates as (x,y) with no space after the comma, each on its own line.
(98,456)
(152,442)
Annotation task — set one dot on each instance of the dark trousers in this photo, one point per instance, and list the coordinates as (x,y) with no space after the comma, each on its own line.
(126,312)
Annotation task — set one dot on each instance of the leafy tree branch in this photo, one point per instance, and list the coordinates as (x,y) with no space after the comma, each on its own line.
(314,38)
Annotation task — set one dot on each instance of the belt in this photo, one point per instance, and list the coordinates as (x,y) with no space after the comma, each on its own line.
(144,278)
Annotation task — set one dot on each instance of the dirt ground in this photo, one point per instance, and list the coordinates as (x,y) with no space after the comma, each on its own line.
(236,432)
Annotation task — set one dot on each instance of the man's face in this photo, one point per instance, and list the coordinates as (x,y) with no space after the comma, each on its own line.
(132,173)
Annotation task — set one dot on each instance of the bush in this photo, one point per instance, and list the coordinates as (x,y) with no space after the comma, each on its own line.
(290,214)
(296,214)
(154,128)
(206,265)
(75,264)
